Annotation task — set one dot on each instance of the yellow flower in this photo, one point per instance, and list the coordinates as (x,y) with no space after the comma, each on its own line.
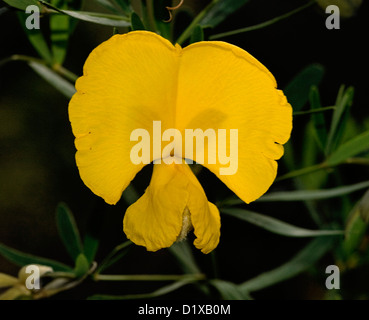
(12,288)
(132,80)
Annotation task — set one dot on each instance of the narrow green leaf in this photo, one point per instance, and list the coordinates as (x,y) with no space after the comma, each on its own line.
(125,5)
(356,225)
(36,38)
(220,10)
(21,259)
(275,225)
(299,263)
(197,34)
(182,252)
(130,195)
(229,290)
(22,4)
(319,125)
(116,254)
(99,18)
(82,266)
(351,148)
(262,24)
(90,246)
(303,195)
(311,155)
(68,231)
(297,91)
(157,293)
(136,23)
(355,231)
(59,83)
(59,32)
(311,111)
(107,5)
(339,119)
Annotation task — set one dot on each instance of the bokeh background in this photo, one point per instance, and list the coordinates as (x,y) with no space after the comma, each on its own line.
(37,168)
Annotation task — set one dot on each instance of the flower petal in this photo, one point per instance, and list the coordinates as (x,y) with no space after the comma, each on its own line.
(205,216)
(7,280)
(221,86)
(156,219)
(128,81)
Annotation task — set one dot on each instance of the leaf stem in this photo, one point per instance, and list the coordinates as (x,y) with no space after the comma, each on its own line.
(57,68)
(300,113)
(148,277)
(188,31)
(263,24)
(360,161)
(303,171)
(109,258)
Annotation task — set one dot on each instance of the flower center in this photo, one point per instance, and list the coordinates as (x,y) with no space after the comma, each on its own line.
(186,225)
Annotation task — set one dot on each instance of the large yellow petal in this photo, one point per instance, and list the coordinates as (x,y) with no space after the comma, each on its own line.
(129,81)
(158,218)
(221,86)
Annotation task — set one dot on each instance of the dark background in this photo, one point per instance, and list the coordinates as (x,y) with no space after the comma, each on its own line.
(37,168)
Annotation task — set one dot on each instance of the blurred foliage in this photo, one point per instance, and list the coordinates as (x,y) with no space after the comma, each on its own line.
(327,142)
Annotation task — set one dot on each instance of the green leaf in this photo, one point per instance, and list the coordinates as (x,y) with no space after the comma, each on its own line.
(59,32)
(107,5)
(99,18)
(299,263)
(36,38)
(197,34)
(136,23)
(339,119)
(182,252)
(21,259)
(82,266)
(59,83)
(219,11)
(320,130)
(115,255)
(356,225)
(351,148)
(90,246)
(262,24)
(157,293)
(68,231)
(130,195)
(229,290)
(275,225)
(125,5)
(22,4)
(297,91)
(303,195)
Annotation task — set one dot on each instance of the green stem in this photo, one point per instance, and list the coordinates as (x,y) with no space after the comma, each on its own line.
(108,259)
(57,68)
(303,171)
(361,161)
(300,113)
(263,24)
(148,277)
(20,57)
(148,15)
(188,31)
(65,73)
